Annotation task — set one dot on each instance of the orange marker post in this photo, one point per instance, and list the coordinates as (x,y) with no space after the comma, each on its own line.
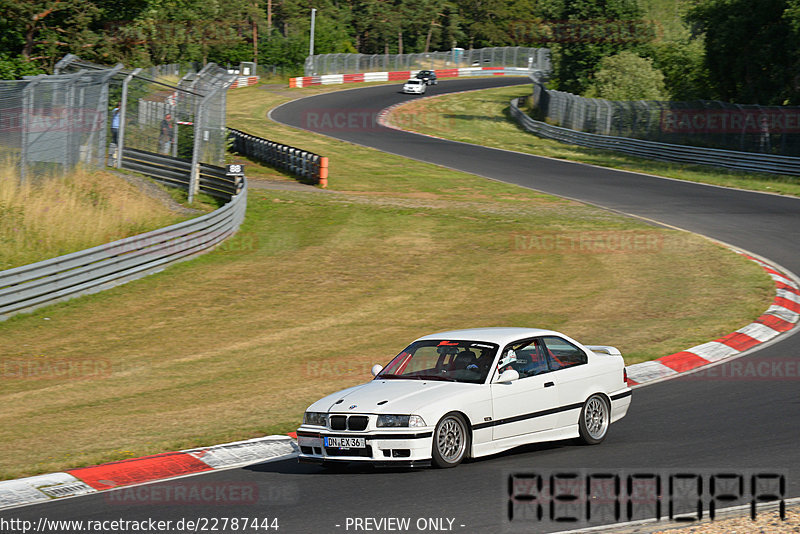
(323,172)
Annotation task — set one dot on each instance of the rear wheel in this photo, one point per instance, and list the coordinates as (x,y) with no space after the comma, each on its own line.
(450,441)
(594,421)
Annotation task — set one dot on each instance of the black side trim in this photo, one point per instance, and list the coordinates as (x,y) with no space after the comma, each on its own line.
(532,415)
(622,395)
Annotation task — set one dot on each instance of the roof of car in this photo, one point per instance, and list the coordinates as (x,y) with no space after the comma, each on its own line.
(499,335)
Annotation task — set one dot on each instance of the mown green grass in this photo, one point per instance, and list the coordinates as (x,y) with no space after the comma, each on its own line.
(482,117)
(318,286)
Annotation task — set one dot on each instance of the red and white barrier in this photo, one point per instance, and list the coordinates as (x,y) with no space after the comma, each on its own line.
(401,75)
(137,471)
(244,81)
(781,317)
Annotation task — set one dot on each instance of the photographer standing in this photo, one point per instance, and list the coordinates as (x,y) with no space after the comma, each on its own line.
(165,137)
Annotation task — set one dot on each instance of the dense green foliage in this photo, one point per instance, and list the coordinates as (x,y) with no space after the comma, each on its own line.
(626,76)
(617,26)
(751,49)
(738,50)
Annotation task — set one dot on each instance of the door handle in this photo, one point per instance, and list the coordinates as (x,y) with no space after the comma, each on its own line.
(548,384)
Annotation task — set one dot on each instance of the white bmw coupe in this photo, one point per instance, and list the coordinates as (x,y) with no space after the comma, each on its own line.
(470,393)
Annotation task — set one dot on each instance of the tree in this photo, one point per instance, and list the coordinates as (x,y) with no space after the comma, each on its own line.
(491,22)
(16,67)
(590,30)
(751,49)
(683,65)
(44,30)
(626,76)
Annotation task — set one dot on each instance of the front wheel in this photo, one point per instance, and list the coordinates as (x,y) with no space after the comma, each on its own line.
(450,441)
(594,421)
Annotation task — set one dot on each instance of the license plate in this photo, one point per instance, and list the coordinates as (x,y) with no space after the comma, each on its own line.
(346,443)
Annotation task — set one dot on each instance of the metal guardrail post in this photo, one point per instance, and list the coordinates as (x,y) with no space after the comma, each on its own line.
(198,133)
(63,63)
(123,108)
(27,105)
(102,111)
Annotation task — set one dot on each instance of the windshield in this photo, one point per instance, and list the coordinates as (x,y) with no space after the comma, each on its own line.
(451,361)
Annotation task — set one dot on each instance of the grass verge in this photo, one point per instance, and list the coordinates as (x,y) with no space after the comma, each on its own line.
(318,286)
(481,117)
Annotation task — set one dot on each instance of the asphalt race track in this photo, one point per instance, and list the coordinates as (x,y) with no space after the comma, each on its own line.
(689,426)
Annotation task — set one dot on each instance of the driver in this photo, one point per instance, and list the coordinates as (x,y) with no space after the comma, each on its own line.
(505,362)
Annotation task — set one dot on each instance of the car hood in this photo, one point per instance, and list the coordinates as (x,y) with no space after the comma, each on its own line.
(400,396)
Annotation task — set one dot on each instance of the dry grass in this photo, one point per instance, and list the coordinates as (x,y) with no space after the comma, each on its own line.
(56,215)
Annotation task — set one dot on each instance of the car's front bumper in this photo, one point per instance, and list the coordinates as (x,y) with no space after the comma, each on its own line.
(390,445)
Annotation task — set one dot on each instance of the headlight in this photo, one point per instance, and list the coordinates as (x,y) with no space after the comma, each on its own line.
(315,418)
(400,420)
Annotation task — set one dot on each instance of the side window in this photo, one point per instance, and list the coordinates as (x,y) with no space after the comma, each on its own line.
(561,353)
(527,359)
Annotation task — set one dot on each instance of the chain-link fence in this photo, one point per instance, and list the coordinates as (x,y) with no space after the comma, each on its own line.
(702,123)
(184,119)
(87,113)
(508,56)
(52,123)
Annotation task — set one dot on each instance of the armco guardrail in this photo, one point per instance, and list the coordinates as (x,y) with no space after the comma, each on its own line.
(297,161)
(743,161)
(402,75)
(89,271)
(177,172)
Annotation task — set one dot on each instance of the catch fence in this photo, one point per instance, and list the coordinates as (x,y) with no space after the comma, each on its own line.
(182,119)
(88,113)
(508,56)
(92,114)
(713,124)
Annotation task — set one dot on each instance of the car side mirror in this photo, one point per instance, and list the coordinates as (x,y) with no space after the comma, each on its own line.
(509,375)
(377,368)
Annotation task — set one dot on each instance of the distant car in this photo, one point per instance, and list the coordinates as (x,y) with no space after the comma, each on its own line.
(470,393)
(428,76)
(414,86)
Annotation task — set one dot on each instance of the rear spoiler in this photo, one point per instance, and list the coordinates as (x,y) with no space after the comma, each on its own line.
(604,349)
